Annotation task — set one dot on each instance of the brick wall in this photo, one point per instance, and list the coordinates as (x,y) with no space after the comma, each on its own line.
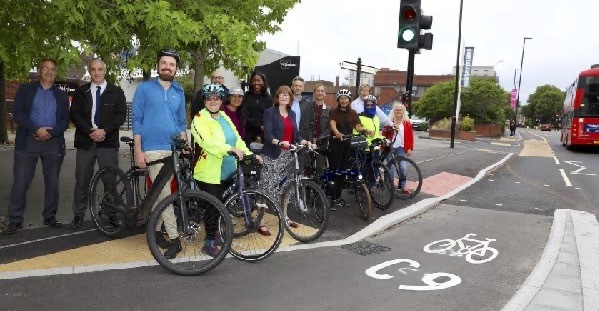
(11,91)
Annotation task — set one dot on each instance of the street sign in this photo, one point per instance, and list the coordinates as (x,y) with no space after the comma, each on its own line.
(468,54)
(354,67)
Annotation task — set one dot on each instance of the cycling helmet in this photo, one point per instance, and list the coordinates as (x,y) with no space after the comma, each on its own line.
(168,52)
(213,89)
(343,92)
(370,98)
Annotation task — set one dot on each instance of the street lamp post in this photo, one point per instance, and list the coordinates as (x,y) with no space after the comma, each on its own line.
(520,78)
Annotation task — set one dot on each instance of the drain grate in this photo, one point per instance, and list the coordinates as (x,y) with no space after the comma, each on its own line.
(366,248)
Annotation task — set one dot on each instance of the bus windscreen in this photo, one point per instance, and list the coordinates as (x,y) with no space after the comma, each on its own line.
(590,103)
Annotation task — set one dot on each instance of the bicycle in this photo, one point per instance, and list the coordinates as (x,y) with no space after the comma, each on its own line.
(193,210)
(249,209)
(304,203)
(116,197)
(406,170)
(352,177)
(378,177)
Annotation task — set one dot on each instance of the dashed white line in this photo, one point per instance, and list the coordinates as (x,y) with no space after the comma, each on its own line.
(498,204)
(566,179)
(556,160)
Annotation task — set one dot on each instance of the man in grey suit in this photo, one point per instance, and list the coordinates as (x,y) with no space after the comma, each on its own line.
(303,108)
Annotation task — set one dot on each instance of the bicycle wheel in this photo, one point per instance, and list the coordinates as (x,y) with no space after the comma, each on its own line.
(412,179)
(363,199)
(107,200)
(381,185)
(309,214)
(204,213)
(248,244)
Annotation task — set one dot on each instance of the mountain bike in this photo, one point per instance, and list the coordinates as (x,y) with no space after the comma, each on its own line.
(377,176)
(304,203)
(249,209)
(352,177)
(116,197)
(405,170)
(196,213)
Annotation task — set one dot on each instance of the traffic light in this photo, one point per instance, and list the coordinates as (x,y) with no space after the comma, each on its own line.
(406,101)
(411,22)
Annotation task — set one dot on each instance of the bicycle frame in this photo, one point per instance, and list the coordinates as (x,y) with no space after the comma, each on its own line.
(238,185)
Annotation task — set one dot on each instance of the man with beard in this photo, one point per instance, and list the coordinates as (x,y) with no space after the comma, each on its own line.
(158,114)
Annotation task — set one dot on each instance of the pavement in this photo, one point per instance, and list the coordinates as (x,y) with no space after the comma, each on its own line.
(566,277)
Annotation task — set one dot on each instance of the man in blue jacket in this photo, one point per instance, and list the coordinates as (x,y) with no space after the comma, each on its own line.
(158,114)
(41,111)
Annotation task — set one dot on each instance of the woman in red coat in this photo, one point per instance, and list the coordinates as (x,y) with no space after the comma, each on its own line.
(404,140)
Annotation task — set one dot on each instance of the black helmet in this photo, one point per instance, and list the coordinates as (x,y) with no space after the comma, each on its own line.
(168,52)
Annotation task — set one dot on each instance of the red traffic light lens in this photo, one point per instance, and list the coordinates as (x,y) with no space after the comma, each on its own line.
(408,13)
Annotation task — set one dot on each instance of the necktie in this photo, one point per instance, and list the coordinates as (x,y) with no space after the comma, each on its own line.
(98,105)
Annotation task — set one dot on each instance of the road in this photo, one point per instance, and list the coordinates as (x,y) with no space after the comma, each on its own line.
(513,206)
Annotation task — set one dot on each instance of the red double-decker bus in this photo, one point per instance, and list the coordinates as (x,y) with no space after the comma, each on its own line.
(580,118)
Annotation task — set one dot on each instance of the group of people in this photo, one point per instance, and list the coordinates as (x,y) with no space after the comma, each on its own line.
(223,121)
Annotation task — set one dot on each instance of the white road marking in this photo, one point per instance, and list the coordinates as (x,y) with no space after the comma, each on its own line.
(481,248)
(581,168)
(462,200)
(45,239)
(565,177)
(546,185)
(499,204)
(556,160)
(491,180)
(517,182)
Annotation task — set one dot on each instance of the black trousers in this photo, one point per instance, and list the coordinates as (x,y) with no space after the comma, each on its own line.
(340,153)
(84,169)
(25,163)
(211,216)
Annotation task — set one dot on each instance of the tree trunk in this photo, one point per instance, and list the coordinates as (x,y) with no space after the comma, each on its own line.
(199,70)
(3,132)
(147,74)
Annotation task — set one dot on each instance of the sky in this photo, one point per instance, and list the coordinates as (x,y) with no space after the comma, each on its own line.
(326,32)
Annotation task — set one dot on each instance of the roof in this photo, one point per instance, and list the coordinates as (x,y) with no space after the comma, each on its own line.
(386,77)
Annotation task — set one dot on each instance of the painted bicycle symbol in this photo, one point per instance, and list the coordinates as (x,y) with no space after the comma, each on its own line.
(430,279)
(476,251)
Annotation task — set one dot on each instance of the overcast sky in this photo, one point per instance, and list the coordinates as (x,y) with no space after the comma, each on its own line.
(330,31)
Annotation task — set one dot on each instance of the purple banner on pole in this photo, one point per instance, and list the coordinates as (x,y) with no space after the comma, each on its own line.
(513,99)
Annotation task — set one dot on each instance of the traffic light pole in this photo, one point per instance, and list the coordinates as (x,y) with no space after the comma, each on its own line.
(358,74)
(410,80)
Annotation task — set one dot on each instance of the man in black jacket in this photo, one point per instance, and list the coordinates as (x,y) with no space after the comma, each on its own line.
(98,110)
(42,112)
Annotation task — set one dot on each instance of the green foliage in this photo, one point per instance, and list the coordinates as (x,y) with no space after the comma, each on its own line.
(484,101)
(546,102)
(466,124)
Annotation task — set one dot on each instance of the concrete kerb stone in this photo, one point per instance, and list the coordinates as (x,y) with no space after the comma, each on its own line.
(537,278)
(586,233)
(378,226)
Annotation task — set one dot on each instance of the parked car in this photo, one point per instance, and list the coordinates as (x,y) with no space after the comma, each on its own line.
(418,124)
(545,127)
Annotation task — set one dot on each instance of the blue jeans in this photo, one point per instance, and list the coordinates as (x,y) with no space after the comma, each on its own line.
(400,151)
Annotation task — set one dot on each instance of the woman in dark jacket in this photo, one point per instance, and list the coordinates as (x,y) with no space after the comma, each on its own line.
(255,101)
(280,131)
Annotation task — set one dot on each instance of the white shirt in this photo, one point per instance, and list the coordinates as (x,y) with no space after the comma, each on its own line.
(92,88)
(358,106)
(399,136)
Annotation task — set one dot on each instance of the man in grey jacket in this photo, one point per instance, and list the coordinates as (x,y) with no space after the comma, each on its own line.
(303,108)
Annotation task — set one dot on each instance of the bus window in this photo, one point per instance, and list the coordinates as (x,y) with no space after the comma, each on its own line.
(590,103)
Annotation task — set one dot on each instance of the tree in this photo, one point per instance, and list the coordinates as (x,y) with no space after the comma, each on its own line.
(484,101)
(27,34)
(546,102)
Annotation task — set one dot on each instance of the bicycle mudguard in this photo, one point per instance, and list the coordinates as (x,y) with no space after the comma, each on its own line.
(166,173)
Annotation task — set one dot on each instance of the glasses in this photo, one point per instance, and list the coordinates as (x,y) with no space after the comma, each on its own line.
(217,77)
(213,98)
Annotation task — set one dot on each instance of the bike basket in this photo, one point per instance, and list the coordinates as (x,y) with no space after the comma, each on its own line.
(358,142)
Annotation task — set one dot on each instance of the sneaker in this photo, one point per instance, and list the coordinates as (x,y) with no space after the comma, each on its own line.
(161,241)
(406,191)
(77,221)
(13,227)
(173,249)
(210,248)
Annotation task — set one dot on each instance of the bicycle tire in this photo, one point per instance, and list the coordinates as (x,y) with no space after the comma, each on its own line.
(192,260)
(312,221)
(248,244)
(108,207)
(382,191)
(363,199)
(413,177)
